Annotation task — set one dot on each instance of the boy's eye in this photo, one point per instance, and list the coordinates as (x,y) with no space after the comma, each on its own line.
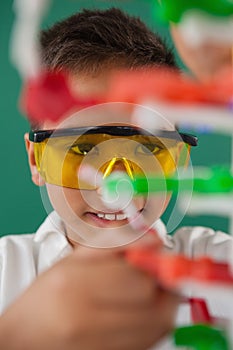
(83,148)
(148,148)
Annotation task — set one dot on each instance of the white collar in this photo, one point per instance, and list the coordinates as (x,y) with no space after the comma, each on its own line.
(53,244)
(52,224)
(162,232)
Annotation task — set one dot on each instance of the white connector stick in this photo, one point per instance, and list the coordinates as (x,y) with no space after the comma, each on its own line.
(199,27)
(25,48)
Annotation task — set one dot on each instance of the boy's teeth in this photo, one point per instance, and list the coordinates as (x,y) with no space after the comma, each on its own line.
(112,217)
(121,216)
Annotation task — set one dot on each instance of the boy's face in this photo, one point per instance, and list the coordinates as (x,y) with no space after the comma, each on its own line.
(83,210)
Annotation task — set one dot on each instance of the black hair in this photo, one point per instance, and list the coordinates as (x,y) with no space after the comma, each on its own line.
(90,40)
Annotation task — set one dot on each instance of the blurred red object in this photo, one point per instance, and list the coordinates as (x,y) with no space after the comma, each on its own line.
(48,97)
(169,86)
(199,311)
(170,270)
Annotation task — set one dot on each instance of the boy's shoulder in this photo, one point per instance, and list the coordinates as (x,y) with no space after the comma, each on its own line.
(196,241)
(14,246)
(15,238)
(11,242)
(36,250)
(17,267)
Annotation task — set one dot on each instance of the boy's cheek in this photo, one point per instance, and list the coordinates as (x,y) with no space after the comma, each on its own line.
(155,206)
(65,201)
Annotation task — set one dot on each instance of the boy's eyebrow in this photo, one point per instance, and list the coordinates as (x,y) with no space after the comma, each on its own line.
(41,135)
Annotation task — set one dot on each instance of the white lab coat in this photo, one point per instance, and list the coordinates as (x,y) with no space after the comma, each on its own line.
(23,257)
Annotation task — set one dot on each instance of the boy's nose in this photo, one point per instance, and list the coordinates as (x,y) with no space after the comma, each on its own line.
(118,164)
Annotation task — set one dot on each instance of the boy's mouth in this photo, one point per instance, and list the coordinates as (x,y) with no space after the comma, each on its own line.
(104,219)
(111,216)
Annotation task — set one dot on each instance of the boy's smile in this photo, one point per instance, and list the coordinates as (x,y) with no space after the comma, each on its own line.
(102,219)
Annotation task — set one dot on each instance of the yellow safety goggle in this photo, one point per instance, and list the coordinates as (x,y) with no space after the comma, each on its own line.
(59,153)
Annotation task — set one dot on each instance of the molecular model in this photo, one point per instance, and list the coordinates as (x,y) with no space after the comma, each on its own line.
(209,106)
(201,20)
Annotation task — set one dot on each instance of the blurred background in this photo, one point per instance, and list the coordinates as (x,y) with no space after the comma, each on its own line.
(21,208)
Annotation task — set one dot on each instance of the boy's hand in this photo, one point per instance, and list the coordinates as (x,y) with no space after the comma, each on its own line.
(89,302)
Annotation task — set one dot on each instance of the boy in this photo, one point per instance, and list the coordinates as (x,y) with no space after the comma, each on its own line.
(91,299)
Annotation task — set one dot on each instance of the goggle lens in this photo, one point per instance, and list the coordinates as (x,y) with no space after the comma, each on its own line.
(59,158)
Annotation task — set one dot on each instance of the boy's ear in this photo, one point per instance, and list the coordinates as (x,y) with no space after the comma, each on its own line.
(36,178)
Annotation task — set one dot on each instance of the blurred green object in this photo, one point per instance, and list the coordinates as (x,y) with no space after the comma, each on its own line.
(205,180)
(173,10)
(201,337)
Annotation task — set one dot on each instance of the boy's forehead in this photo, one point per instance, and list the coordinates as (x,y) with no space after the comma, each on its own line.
(84,86)
(115,113)
(88,87)
(101,114)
